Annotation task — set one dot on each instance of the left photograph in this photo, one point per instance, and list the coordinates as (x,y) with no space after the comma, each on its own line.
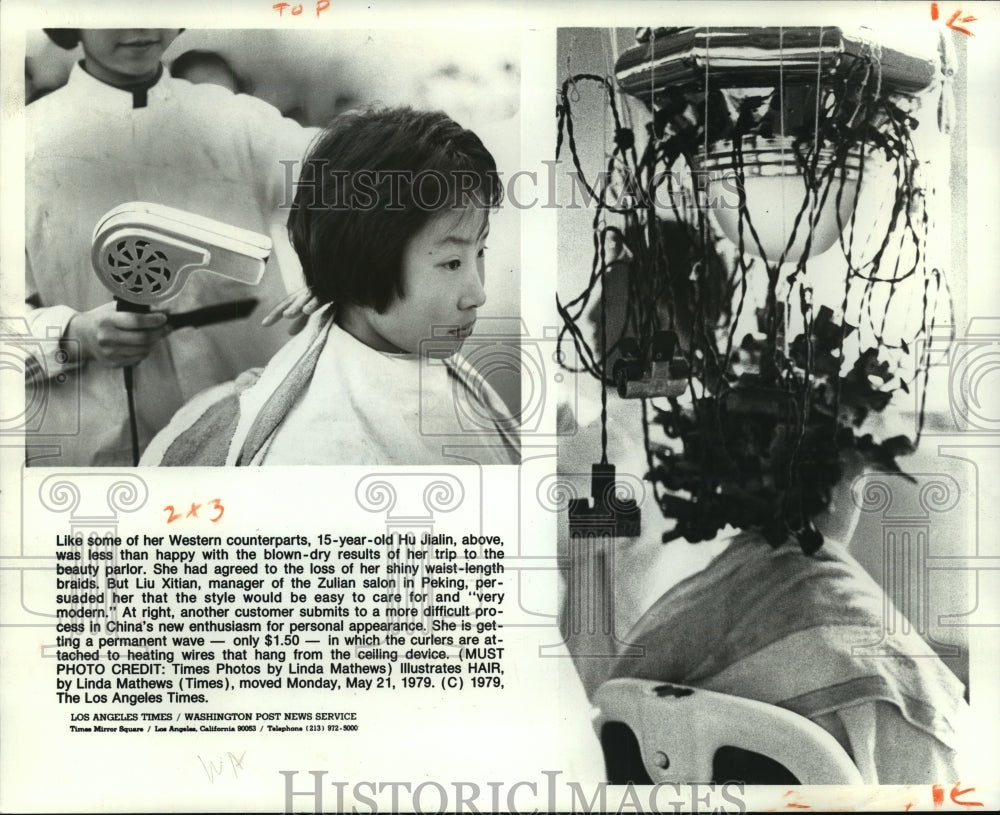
(248,247)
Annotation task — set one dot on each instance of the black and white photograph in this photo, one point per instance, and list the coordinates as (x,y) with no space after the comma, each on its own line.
(758,325)
(193,198)
(625,376)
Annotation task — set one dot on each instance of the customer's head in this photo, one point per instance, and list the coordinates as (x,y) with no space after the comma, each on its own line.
(389,221)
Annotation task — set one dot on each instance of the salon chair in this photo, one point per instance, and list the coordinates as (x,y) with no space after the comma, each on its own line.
(654,732)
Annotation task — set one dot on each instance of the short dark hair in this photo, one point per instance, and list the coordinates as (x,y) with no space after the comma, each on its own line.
(196,57)
(68,38)
(362,196)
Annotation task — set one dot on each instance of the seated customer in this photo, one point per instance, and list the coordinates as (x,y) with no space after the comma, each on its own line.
(746,611)
(738,616)
(390,222)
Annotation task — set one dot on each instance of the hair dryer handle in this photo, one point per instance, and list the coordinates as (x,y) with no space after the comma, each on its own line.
(134,308)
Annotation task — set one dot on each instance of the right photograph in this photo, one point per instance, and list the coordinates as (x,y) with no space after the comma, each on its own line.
(762,261)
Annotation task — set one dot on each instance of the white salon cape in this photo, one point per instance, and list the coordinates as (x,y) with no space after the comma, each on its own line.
(198,148)
(735,616)
(327,398)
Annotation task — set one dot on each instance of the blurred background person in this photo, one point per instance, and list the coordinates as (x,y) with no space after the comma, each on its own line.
(199,67)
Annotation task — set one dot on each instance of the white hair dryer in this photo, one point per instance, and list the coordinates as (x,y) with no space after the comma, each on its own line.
(145,253)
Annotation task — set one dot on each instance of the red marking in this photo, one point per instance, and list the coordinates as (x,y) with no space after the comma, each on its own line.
(794,804)
(216,504)
(937,794)
(958,28)
(934,11)
(956,793)
(908,807)
(298,8)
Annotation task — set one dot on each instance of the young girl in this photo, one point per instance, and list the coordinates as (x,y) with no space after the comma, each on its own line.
(389,221)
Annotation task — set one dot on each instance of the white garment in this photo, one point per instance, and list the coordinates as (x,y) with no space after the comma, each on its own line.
(368,407)
(360,406)
(199,148)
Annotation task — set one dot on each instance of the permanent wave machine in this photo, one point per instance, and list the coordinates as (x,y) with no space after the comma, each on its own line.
(757,355)
(775,232)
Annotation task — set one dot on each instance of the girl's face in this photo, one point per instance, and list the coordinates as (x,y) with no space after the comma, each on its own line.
(443,275)
(120,56)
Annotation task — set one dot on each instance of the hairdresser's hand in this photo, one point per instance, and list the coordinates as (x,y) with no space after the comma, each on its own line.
(296,307)
(114,338)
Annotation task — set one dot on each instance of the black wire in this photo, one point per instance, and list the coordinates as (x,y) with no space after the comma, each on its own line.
(854,119)
(128,372)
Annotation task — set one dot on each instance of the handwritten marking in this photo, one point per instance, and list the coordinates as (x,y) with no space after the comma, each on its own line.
(213,768)
(215,504)
(951,20)
(956,793)
(937,795)
(794,804)
(297,9)
(953,27)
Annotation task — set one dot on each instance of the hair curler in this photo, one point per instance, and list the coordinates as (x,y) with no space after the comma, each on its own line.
(660,370)
(145,253)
